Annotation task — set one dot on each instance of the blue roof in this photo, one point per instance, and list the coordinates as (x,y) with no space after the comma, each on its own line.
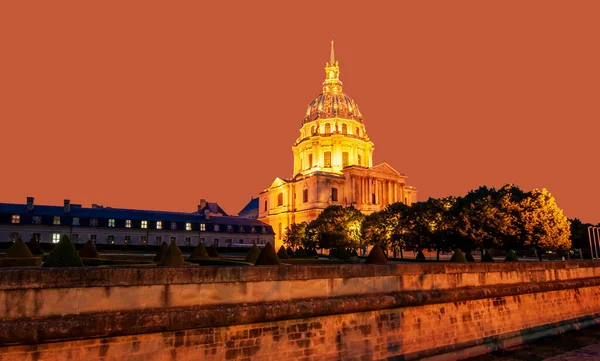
(252,205)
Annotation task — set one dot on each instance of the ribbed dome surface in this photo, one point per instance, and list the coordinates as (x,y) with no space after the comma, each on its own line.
(332,105)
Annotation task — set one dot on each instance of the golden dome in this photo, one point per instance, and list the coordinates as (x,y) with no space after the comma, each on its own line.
(332,103)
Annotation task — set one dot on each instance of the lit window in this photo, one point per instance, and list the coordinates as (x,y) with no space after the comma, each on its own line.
(144,240)
(75,221)
(280,199)
(128,223)
(305,195)
(94,222)
(327,159)
(334,194)
(127,239)
(111,222)
(310,159)
(158,240)
(16,218)
(229,228)
(217,228)
(75,238)
(56,220)
(158,224)
(345,159)
(359,161)
(144,224)
(111,239)
(173,225)
(37,220)
(55,237)
(202,227)
(188,226)
(188,241)
(174,239)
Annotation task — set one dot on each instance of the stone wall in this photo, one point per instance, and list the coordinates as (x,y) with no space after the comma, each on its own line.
(349,312)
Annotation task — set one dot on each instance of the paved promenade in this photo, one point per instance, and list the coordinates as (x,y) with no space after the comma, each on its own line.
(588,353)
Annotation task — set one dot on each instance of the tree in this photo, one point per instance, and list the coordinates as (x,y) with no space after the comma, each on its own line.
(295,235)
(431,223)
(544,224)
(338,226)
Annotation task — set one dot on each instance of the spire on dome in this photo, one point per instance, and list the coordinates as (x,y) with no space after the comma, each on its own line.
(332,81)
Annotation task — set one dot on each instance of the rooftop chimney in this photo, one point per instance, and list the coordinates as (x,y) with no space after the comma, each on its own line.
(202,204)
(29,204)
(67,206)
(206,214)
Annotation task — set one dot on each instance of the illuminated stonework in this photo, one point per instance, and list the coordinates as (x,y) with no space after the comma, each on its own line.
(333,164)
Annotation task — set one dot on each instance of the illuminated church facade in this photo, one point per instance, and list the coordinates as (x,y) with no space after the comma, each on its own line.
(333,164)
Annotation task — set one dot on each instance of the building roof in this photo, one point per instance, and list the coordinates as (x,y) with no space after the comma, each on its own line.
(251,206)
(213,208)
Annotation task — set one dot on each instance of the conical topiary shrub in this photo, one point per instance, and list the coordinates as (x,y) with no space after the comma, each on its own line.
(200,252)
(267,257)
(34,246)
(18,250)
(354,253)
(376,256)
(89,250)
(282,253)
(487,256)
(64,254)
(511,256)
(420,256)
(290,252)
(342,253)
(253,254)
(469,257)
(300,253)
(162,251)
(458,257)
(212,251)
(173,256)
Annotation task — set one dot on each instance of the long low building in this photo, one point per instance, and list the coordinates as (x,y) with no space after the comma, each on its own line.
(117,226)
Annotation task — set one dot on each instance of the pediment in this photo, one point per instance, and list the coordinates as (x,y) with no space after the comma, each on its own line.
(278,182)
(386,168)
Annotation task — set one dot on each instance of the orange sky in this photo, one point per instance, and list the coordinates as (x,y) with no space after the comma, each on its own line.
(156,104)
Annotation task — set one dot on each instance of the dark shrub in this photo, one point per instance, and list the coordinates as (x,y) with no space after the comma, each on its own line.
(300,253)
(420,256)
(282,253)
(89,250)
(511,256)
(253,254)
(342,253)
(487,256)
(354,253)
(18,250)
(469,257)
(458,257)
(64,254)
(200,252)
(333,253)
(267,256)
(311,252)
(34,246)
(162,251)
(212,251)
(173,256)
(376,256)
(290,252)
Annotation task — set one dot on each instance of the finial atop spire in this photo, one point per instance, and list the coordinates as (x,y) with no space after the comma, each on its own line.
(332,52)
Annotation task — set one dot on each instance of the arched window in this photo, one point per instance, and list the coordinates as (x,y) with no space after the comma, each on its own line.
(344,129)
(280,199)
(327,128)
(312,130)
(357,131)
(334,194)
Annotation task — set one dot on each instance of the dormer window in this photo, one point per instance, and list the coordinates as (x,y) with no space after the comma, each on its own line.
(144,224)
(56,221)
(36,220)
(16,218)
(202,227)
(158,224)
(216,228)
(253,229)
(229,228)
(242,229)
(173,225)
(188,226)
(94,222)
(128,223)
(75,221)
(111,222)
